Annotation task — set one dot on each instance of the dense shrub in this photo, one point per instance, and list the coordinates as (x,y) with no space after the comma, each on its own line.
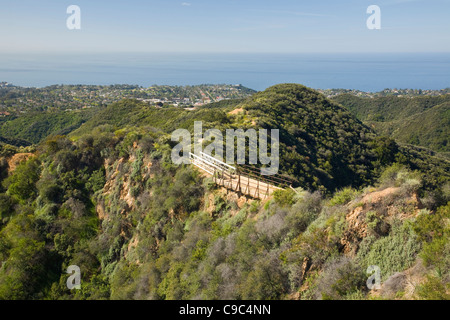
(284,197)
(393,253)
(343,196)
(22,184)
(433,289)
(341,277)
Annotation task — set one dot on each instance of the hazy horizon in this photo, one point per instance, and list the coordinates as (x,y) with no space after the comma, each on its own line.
(365,72)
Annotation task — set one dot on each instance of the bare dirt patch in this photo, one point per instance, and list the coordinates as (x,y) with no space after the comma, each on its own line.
(375,197)
(16,159)
(236,111)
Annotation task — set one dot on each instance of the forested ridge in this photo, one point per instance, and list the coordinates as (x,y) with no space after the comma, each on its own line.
(99,190)
(422,121)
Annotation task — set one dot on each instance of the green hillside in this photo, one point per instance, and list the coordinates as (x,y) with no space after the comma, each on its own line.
(33,127)
(423,121)
(108,198)
(322,145)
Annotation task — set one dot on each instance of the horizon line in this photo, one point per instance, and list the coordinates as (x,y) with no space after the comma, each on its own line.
(49,52)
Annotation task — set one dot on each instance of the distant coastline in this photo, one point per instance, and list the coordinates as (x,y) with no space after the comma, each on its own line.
(363,72)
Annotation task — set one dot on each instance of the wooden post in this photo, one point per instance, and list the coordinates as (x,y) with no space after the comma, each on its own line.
(239,184)
(257,188)
(248,185)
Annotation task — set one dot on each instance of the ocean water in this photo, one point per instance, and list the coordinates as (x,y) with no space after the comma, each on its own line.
(367,72)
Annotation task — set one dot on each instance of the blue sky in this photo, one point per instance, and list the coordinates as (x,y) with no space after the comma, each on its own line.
(287,26)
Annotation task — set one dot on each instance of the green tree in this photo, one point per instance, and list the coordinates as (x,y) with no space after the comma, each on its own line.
(22,184)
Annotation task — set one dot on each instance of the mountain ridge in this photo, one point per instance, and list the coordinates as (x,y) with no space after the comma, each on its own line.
(423,121)
(109,199)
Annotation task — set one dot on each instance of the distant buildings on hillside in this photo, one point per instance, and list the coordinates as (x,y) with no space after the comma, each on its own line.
(5,85)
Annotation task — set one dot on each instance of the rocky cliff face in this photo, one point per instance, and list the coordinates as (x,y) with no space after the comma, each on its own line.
(383,206)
